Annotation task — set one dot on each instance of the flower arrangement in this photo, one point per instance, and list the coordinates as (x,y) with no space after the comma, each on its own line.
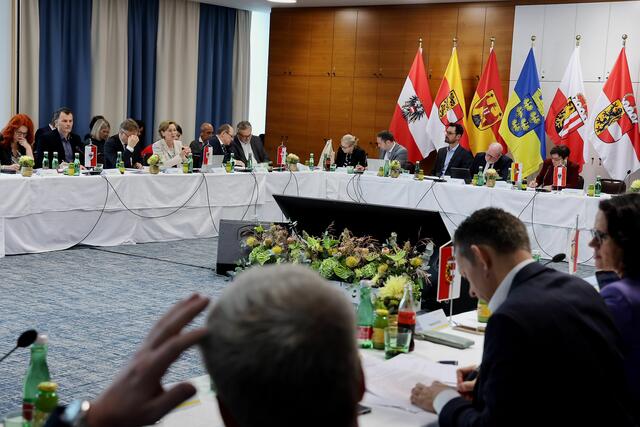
(26,161)
(153,160)
(635,186)
(345,258)
(395,165)
(491,175)
(293,158)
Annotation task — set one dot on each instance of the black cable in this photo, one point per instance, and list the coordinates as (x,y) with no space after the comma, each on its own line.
(442,209)
(159,216)
(360,190)
(206,184)
(104,207)
(297,184)
(348,193)
(95,248)
(533,228)
(528,203)
(425,194)
(253,191)
(284,190)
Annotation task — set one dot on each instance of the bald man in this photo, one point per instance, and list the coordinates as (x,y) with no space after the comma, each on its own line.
(206,132)
(492,158)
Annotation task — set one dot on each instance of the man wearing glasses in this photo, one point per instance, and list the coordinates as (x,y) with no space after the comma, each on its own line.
(492,159)
(245,143)
(127,142)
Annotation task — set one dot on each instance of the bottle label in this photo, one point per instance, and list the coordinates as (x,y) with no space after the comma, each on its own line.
(407,317)
(27,410)
(365,332)
(378,337)
(90,156)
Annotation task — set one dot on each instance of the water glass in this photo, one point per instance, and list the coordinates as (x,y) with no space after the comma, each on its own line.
(396,341)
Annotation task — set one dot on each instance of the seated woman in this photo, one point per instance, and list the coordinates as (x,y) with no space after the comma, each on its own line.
(169,149)
(98,135)
(18,141)
(559,156)
(349,154)
(616,245)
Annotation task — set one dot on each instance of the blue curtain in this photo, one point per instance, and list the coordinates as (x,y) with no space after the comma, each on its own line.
(65,60)
(215,65)
(143,31)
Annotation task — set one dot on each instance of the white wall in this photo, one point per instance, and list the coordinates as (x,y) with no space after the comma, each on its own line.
(555,26)
(259,69)
(5,66)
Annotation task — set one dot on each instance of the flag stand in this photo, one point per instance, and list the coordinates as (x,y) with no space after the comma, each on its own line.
(451,302)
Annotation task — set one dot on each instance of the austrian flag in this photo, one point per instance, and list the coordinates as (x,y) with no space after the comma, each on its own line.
(409,122)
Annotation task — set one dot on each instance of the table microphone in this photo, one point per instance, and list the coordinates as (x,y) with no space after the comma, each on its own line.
(556,258)
(24,340)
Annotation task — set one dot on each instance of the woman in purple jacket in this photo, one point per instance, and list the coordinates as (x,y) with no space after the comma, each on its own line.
(616,244)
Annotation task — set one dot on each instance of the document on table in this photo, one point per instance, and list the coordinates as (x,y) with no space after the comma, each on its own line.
(392,381)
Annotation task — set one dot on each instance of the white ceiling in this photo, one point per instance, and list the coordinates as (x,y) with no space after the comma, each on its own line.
(265,6)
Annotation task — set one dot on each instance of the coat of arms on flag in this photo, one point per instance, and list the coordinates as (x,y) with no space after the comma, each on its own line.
(450,110)
(616,120)
(572,117)
(412,109)
(526,116)
(486,112)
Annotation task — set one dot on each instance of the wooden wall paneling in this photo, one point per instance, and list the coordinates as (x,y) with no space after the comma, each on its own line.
(386,100)
(276,126)
(471,27)
(443,29)
(499,24)
(279,42)
(321,44)
(391,42)
(296,100)
(344,42)
(341,107)
(367,39)
(363,117)
(417,24)
(300,42)
(319,106)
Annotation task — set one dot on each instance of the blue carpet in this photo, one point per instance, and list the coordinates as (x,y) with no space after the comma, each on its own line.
(96,305)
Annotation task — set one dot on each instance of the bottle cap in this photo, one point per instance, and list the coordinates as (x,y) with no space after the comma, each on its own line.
(48,386)
(42,339)
(382,311)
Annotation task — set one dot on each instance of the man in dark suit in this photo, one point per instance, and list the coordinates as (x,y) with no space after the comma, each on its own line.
(44,130)
(206,132)
(391,150)
(492,159)
(127,142)
(551,354)
(221,143)
(453,156)
(246,143)
(61,140)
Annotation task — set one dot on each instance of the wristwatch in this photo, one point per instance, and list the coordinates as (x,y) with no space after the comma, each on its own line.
(75,413)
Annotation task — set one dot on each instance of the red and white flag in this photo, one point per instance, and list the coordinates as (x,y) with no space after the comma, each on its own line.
(613,127)
(448,274)
(567,118)
(559,176)
(409,122)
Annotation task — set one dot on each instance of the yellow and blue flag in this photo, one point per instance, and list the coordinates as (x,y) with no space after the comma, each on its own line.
(522,126)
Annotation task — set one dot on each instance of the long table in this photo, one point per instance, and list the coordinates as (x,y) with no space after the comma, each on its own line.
(46,213)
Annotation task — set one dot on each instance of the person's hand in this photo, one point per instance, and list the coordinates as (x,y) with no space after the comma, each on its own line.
(136,397)
(12,167)
(132,141)
(137,165)
(239,163)
(423,396)
(359,168)
(533,183)
(21,140)
(465,388)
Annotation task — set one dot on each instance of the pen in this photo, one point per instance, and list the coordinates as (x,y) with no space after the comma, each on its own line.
(472,375)
(448,362)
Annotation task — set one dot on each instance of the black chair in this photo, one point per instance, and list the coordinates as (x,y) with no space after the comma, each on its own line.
(580,182)
(613,186)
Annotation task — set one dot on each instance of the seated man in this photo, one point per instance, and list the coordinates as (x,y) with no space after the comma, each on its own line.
(492,158)
(286,355)
(246,143)
(206,132)
(127,142)
(545,327)
(452,156)
(558,156)
(61,140)
(391,150)
(221,143)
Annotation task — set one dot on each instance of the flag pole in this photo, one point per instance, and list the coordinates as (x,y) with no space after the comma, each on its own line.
(578,37)
(493,43)
(624,40)
(455,42)
(420,43)
(533,41)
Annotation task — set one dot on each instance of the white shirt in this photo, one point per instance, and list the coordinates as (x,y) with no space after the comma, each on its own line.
(246,147)
(388,153)
(499,296)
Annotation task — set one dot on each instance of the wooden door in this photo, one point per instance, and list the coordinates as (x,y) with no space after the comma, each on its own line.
(321,44)
(499,24)
(299,43)
(341,108)
(363,116)
(276,126)
(344,42)
(443,30)
(391,42)
(296,99)
(279,42)
(319,110)
(367,38)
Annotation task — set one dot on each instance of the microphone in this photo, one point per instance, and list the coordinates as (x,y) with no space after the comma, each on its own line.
(556,258)
(24,340)
(624,180)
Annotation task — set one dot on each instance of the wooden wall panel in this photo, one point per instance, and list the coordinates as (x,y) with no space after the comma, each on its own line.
(321,43)
(367,37)
(471,28)
(344,42)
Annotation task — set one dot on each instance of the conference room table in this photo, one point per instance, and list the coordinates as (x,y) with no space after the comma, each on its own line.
(47,213)
(202,409)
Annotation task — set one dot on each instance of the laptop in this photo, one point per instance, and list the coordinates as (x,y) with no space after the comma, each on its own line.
(375,164)
(461,173)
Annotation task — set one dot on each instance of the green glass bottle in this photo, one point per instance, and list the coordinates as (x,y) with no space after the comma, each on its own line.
(365,316)
(120,162)
(190,162)
(76,165)
(597,189)
(54,161)
(45,161)
(480,180)
(37,373)
(312,163)
(46,403)
(387,167)
(232,161)
(250,161)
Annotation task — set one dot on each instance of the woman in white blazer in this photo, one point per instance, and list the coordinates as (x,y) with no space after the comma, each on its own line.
(169,149)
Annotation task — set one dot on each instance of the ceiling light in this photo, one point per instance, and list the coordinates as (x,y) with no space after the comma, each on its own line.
(283,1)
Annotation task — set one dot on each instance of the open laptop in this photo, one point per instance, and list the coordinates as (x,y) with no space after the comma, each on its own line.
(374,164)
(461,173)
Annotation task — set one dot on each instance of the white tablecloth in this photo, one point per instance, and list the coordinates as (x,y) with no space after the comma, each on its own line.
(41,214)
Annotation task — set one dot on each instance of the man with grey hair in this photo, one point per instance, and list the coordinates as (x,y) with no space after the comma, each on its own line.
(246,143)
(127,142)
(492,159)
(286,330)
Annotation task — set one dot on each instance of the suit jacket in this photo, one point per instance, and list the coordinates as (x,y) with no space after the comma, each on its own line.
(398,152)
(196,150)
(461,159)
(501,166)
(52,142)
(38,135)
(358,157)
(111,148)
(259,153)
(546,173)
(551,358)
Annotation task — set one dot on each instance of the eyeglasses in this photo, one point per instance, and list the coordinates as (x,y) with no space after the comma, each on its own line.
(20,133)
(599,236)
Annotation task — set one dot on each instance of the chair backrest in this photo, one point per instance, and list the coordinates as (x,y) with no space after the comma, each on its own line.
(613,186)
(580,182)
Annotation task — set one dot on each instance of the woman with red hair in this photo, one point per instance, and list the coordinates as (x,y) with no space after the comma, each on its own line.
(17,141)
